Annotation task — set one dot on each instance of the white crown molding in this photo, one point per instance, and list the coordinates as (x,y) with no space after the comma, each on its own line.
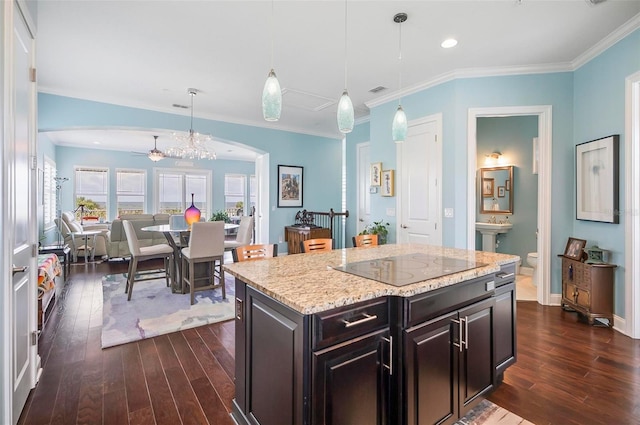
(185,112)
(618,34)
(362,119)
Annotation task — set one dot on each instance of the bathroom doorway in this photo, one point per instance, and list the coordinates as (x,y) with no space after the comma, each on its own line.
(543,114)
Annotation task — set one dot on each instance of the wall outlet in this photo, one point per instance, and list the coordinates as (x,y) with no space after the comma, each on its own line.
(448,212)
(391,212)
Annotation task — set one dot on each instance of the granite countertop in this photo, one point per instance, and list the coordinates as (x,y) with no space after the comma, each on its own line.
(308,284)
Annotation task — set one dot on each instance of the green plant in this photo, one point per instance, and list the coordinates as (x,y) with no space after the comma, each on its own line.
(377,228)
(220,215)
(239,204)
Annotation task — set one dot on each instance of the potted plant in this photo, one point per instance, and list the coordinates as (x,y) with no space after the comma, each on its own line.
(220,215)
(240,208)
(377,228)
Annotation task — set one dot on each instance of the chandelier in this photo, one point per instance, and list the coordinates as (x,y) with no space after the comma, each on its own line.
(192,145)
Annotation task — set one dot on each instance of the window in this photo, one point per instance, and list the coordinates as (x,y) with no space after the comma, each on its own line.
(130,191)
(253,189)
(173,190)
(234,192)
(49,192)
(91,192)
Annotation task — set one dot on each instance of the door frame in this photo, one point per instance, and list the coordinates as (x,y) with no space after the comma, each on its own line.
(632,205)
(360,185)
(399,146)
(545,142)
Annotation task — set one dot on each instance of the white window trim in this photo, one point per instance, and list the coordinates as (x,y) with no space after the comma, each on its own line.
(156,190)
(144,186)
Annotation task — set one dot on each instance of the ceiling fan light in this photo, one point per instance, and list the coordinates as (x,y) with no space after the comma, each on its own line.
(399,126)
(155,155)
(345,113)
(271,98)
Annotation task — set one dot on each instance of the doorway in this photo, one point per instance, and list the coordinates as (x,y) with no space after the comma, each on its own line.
(544,184)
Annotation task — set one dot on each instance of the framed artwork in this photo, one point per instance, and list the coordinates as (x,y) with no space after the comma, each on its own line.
(501,191)
(376,173)
(507,185)
(290,185)
(597,180)
(487,187)
(575,248)
(386,189)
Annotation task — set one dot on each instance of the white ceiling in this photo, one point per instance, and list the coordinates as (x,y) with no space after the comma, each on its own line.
(147,53)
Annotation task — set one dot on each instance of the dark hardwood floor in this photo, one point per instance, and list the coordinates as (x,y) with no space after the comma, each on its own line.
(567,372)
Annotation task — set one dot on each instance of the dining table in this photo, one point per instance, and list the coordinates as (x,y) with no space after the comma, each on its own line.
(178,237)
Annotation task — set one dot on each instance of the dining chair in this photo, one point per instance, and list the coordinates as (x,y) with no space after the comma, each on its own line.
(254,252)
(243,237)
(365,240)
(206,245)
(320,244)
(144,253)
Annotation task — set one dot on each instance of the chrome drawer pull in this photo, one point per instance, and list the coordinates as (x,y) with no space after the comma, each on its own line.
(460,342)
(390,366)
(504,275)
(367,318)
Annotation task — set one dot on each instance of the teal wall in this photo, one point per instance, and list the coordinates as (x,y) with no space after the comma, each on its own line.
(599,111)
(513,137)
(321,157)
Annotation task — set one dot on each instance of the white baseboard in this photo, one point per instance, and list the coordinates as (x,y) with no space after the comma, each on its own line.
(527,271)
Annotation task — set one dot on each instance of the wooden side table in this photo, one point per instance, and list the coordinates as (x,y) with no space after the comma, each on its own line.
(64,255)
(293,235)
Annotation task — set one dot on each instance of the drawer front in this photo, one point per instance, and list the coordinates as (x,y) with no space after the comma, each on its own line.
(348,322)
(441,301)
(572,271)
(507,274)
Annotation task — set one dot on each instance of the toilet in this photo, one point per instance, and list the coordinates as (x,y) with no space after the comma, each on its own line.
(532,260)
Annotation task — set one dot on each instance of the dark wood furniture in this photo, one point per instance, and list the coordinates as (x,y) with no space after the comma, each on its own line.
(64,255)
(417,360)
(588,289)
(294,235)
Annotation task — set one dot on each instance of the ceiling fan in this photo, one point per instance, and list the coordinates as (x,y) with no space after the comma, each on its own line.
(154,154)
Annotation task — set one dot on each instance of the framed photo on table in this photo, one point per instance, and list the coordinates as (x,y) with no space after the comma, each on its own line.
(575,248)
(597,180)
(290,186)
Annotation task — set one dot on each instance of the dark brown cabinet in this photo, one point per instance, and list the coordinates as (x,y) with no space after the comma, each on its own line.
(449,364)
(504,323)
(588,289)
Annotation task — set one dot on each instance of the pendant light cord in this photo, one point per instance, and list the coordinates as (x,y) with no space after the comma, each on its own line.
(400,63)
(272,31)
(345,44)
(192,93)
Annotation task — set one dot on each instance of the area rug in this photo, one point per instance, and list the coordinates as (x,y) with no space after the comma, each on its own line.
(154,310)
(488,413)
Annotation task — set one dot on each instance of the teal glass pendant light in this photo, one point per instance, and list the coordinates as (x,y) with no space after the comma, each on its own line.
(345,106)
(271,98)
(399,126)
(271,94)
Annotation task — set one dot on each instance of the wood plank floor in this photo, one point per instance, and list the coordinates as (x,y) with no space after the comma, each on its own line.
(567,372)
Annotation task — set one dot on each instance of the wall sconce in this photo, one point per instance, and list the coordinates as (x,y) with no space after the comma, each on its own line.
(493,158)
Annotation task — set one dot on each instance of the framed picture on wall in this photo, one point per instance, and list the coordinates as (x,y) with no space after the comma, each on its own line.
(290,185)
(487,187)
(387,183)
(597,177)
(500,191)
(376,173)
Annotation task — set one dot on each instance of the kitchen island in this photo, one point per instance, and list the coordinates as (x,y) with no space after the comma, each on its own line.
(317,343)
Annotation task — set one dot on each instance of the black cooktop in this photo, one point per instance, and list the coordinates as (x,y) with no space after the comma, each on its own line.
(407,269)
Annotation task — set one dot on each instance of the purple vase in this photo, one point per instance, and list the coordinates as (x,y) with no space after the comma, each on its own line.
(191,214)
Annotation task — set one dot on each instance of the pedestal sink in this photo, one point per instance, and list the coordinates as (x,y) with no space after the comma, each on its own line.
(489,232)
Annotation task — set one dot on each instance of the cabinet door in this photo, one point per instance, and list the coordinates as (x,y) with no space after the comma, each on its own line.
(431,372)
(504,327)
(352,381)
(477,361)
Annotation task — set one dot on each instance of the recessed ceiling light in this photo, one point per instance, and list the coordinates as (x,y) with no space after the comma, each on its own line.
(96,142)
(448,43)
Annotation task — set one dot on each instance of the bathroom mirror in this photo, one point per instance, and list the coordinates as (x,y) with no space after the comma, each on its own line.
(496,190)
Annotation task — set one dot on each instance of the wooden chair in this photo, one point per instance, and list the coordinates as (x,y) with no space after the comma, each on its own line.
(206,245)
(321,244)
(365,240)
(143,253)
(254,252)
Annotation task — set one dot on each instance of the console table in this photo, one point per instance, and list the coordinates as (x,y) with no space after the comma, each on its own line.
(293,235)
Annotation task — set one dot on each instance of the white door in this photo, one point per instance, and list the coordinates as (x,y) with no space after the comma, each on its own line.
(364,197)
(420,174)
(19,208)
(261,218)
